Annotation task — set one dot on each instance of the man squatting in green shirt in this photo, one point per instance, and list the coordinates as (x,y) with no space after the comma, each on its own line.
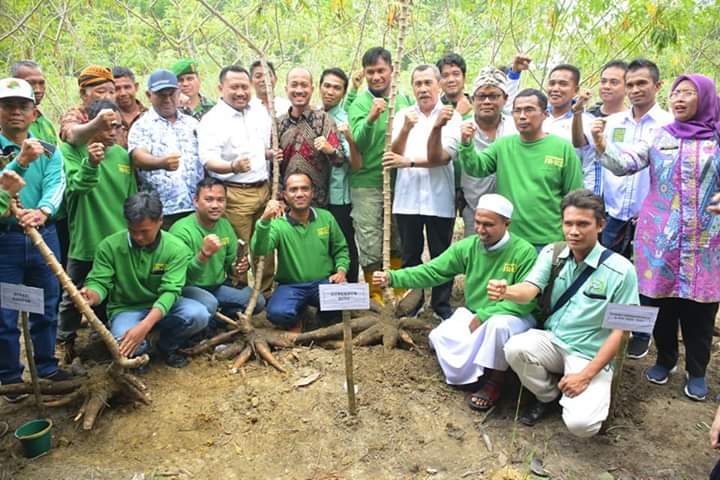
(212,240)
(141,271)
(469,344)
(311,251)
(533,169)
(99,180)
(573,346)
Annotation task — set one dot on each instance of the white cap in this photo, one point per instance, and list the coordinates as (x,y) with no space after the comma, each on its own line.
(16,88)
(496,203)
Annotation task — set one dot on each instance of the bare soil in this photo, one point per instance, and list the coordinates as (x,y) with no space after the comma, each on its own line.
(206,422)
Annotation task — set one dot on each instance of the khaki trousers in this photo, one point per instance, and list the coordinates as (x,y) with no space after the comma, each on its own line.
(540,363)
(244,207)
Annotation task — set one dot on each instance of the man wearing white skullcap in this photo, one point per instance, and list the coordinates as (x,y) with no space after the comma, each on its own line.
(469,345)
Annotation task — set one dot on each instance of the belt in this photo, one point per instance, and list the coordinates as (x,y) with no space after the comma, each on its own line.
(14,227)
(246,185)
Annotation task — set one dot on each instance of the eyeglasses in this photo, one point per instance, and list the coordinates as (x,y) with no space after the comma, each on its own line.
(682,94)
(487,96)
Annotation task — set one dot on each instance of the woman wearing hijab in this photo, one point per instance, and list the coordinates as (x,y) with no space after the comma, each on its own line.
(676,241)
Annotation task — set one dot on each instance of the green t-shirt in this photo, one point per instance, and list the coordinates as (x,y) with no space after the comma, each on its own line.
(370,138)
(577,325)
(213,272)
(42,129)
(305,253)
(94,197)
(139,278)
(512,262)
(534,176)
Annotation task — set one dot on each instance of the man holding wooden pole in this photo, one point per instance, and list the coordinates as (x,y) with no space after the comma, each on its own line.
(40,166)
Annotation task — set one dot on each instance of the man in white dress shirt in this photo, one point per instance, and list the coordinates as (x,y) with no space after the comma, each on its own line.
(424,187)
(234,141)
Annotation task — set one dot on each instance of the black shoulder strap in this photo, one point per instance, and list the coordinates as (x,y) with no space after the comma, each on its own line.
(579,281)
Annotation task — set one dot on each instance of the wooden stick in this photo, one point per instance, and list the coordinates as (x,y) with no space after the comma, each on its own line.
(78,299)
(31,363)
(349,379)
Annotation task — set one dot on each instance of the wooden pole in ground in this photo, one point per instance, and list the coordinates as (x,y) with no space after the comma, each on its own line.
(616,380)
(29,353)
(349,377)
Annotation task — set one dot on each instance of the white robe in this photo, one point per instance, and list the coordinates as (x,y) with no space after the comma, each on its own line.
(464,356)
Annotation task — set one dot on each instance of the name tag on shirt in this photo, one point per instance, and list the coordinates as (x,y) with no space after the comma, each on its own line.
(632,318)
(158,269)
(618,135)
(554,161)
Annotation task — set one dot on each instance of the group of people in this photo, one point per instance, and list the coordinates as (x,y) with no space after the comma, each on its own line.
(157,212)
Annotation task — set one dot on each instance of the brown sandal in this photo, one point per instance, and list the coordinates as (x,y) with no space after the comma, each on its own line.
(489,393)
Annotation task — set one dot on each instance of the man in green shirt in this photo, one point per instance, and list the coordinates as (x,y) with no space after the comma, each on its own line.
(469,344)
(191,101)
(141,272)
(99,180)
(368,121)
(211,238)
(31,72)
(532,169)
(574,346)
(311,251)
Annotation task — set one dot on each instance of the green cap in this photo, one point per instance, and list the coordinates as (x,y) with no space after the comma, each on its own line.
(184,66)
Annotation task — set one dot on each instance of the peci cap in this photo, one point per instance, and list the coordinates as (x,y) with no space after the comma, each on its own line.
(496,203)
(162,79)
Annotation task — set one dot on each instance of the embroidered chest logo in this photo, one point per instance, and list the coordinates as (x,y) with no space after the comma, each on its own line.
(554,161)
(618,135)
(158,268)
(510,268)
(323,231)
(124,169)
(597,287)
(225,241)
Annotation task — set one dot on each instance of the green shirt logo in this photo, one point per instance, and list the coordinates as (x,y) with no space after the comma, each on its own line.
(618,135)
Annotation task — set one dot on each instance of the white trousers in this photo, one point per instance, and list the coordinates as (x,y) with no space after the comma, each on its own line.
(464,356)
(540,364)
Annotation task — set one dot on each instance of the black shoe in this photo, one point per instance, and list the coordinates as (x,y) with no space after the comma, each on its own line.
(535,412)
(638,347)
(175,360)
(59,375)
(14,397)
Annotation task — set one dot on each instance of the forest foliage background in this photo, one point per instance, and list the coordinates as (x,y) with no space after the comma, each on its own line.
(66,35)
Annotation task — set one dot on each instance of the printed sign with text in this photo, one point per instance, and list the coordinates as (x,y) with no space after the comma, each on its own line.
(22,298)
(344,296)
(633,318)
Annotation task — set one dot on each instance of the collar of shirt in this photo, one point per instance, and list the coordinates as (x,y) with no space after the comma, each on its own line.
(154,116)
(566,115)
(147,248)
(591,259)
(226,109)
(655,114)
(436,109)
(294,222)
(338,113)
(500,243)
(307,115)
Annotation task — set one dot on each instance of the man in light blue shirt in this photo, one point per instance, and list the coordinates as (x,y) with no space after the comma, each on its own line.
(164,147)
(574,346)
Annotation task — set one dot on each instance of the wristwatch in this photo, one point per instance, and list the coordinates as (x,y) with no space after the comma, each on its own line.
(46,211)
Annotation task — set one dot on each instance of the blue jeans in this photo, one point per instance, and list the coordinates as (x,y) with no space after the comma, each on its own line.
(289,299)
(21,262)
(186,318)
(230,300)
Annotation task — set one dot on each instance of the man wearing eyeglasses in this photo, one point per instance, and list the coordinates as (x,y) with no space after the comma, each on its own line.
(534,169)
(99,180)
(40,166)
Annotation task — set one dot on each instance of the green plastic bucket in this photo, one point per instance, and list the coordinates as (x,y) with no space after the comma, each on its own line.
(35,437)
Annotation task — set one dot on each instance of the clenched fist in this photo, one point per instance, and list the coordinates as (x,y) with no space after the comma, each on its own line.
(30,150)
(467,132)
(211,244)
(444,116)
(96,153)
(378,107)
(496,289)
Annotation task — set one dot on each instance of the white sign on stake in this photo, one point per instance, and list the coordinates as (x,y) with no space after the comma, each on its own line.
(22,298)
(633,318)
(344,296)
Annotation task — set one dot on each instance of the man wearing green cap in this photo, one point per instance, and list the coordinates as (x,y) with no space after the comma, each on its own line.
(191,101)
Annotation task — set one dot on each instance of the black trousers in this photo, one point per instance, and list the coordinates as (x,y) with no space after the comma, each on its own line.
(696,322)
(70,317)
(439,233)
(342,217)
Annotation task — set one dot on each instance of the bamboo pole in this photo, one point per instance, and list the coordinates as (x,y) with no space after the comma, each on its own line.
(78,299)
(388,294)
(259,261)
(31,363)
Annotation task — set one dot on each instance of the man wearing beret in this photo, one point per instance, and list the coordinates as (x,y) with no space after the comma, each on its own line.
(96,83)
(191,101)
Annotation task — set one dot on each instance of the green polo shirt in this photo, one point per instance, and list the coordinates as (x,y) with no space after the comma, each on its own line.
(213,272)
(577,325)
(306,253)
(42,129)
